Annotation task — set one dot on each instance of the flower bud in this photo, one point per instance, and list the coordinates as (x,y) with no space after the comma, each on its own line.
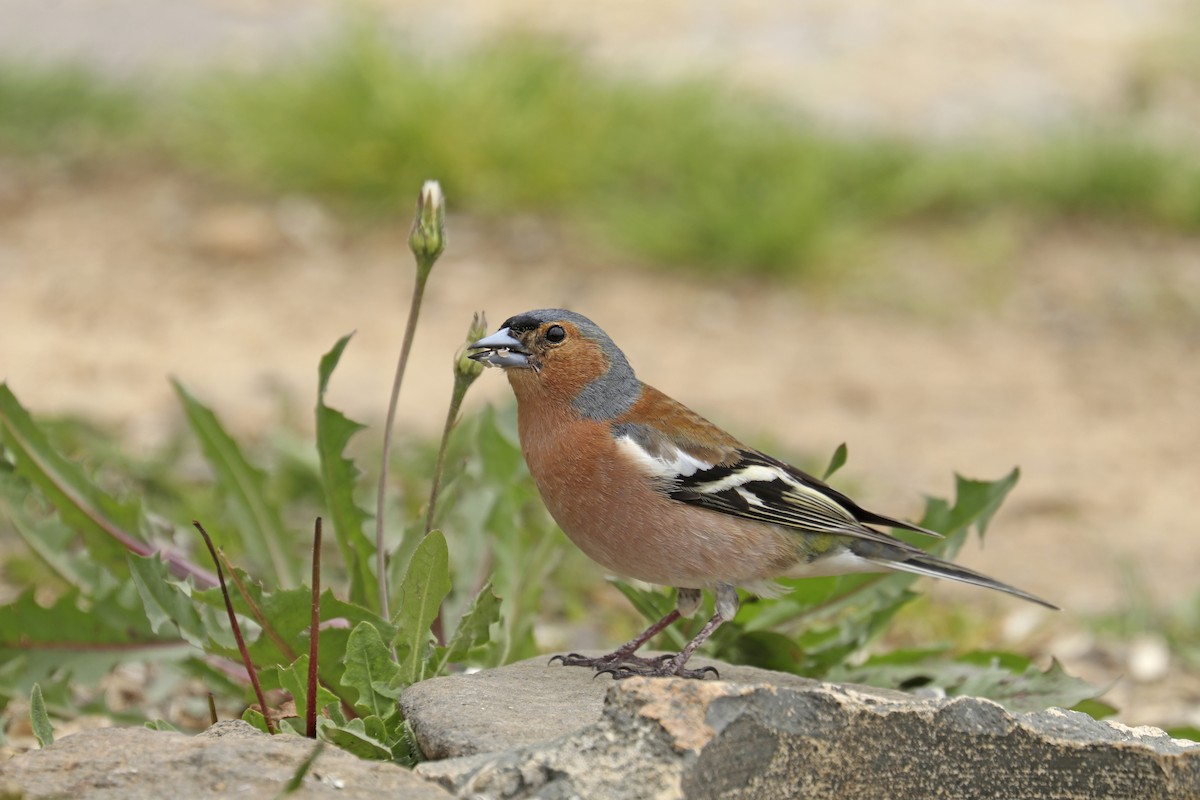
(428,237)
(466,369)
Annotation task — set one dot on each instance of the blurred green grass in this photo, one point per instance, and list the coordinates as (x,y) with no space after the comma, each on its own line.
(686,174)
(63,110)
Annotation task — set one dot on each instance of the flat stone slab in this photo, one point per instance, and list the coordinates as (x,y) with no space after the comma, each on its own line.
(530,702)
(230,759)
(536,731)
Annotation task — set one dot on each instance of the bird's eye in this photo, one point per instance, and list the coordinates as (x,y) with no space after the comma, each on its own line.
(555,334)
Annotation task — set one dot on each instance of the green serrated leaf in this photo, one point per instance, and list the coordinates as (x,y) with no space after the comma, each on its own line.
(354,737)
(802,601)
(765,649)
(339,476)
(976,502)
(168,603)
(473,629)
(370,671)
(405,750)
(216,680)
(257,520)
(426,584)
(908,655)
(161,725)
(39,719)
(282,618)
(377,728)
(291,725)
(50,539)
(1035,690)
(851,632)
(293,679)
(652,604)
(837,461)
(106,524)
(1013,662)
(1007,678)
(1098,709)
(83,638)
(1187,732)
(335,608)
(256,719)
(287,614)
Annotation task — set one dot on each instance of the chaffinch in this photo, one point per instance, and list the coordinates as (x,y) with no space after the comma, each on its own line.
(651,490)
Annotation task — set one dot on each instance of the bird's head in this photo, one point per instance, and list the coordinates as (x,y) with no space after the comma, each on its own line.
(555,354)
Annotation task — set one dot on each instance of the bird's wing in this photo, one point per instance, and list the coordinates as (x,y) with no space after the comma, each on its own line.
(744,482)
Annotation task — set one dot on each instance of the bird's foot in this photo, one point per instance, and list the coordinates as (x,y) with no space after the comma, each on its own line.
(615,660)
(662,667)
(626,665)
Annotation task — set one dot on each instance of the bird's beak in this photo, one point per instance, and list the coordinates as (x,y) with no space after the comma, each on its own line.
(500,349)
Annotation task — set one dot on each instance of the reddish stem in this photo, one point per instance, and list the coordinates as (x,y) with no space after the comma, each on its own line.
(237,629)
(310,728)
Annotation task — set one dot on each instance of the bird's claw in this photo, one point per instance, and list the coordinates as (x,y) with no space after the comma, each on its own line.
(579,660)
(657,667)
(609,661)
(617,672)
(664,669)
(626,665)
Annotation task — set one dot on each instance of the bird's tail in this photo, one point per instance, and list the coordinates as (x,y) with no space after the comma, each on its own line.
(925,564)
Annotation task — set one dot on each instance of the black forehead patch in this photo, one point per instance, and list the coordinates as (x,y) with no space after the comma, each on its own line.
(531,320)
(521,323)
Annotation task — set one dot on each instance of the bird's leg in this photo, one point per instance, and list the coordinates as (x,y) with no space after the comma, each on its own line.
(673,666)
(686,603)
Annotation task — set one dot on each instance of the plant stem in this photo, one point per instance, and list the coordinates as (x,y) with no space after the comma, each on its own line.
(456,399)
(310,727)
(256,610)
(466,370)
(460,391)
(237,630)
(402,364)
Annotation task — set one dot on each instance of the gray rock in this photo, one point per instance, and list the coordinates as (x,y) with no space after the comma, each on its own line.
(230,759)
(528,702)
(780,737)
(536,731)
